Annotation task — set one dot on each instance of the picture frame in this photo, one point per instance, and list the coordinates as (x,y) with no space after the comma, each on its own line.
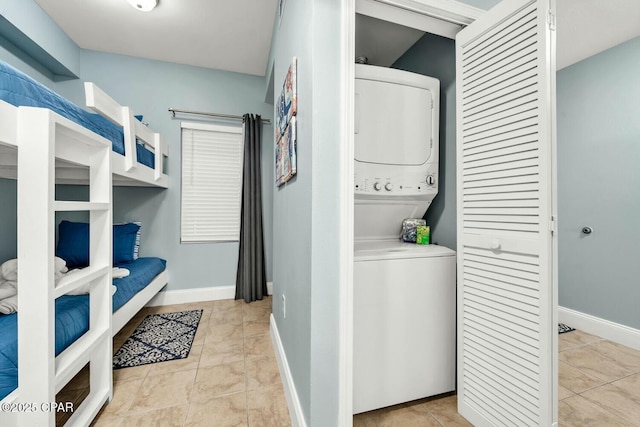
(285,127)
(286,154)
(287,103)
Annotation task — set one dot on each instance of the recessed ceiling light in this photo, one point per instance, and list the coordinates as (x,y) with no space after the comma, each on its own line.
(143,5)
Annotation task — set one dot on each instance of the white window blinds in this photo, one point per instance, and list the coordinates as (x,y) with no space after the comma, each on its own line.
(211,182)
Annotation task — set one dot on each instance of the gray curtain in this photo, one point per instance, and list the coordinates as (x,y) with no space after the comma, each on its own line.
(251,283)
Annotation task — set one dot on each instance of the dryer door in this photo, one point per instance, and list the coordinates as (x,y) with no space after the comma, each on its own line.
(394,123)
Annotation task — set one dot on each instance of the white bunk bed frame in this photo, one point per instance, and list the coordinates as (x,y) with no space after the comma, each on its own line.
(125,168)
(50,149)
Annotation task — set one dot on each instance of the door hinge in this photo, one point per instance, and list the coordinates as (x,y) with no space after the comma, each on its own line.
(551,20)
(553,224)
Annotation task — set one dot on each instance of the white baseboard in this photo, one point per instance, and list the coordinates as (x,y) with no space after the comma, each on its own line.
(183,296)
(606,329)
(293,402)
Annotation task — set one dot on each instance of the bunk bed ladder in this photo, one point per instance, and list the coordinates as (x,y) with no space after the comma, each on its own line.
(44,138)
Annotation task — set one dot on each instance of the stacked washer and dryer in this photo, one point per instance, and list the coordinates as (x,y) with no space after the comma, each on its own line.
(404,293)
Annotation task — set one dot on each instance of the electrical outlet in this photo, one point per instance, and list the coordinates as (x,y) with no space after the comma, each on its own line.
(284,307)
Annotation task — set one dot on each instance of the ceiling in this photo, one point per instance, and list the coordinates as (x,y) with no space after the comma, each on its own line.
(232,35)
(588,27)
(235,35)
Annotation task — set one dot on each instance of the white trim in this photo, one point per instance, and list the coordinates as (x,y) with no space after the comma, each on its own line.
(8,128)
(606,329)
(415,12)
(551,55)
(183,296)
(447,10)
(406,17)
(346,165)
(293,401)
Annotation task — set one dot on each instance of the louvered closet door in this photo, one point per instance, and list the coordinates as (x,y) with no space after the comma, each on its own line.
(507,339)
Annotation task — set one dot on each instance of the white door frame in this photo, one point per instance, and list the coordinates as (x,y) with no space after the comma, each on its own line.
(345,323)
(405,11)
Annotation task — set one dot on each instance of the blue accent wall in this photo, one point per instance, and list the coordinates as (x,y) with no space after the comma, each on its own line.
(598,102)
(435,56)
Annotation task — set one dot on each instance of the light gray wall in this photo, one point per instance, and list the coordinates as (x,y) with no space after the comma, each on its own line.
(435,56)
(35,33)
(326,212)
(292,204)
(307,210)
(150,87)
(12,55)
(598,103)
(481,4)
(8,219)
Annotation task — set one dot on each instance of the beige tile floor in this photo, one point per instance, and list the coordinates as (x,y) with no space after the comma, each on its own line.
(599,386)
(230,378)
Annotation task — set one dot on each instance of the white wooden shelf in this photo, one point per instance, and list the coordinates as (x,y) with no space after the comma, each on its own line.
(74,280)
(65,206)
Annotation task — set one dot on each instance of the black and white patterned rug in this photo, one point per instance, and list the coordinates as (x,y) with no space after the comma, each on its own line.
(562,328)
(159,338)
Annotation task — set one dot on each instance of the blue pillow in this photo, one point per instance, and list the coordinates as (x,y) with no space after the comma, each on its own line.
(124,242)
(73,243)
(136,246)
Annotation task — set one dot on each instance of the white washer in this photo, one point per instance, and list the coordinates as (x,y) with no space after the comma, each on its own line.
(404,294)
(404,323)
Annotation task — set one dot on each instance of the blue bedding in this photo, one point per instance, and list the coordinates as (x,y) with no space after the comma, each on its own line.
(72,318)
(20,90)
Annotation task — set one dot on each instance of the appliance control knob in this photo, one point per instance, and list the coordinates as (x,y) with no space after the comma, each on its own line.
(431,179)
(388,186)
(377,186)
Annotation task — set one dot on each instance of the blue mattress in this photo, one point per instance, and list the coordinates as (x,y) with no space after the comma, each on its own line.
(72,318)
(20,90)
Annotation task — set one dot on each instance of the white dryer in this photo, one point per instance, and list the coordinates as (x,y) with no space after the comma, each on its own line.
(404,294)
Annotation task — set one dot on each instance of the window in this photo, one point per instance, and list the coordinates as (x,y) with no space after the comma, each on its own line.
(211,182)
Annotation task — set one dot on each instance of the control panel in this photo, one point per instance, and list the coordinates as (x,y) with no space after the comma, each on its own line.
(380,180)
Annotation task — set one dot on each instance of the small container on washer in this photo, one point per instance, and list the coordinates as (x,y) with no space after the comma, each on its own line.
(409,226)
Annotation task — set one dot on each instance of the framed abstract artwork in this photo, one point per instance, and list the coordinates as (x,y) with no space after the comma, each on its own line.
(286,161)
(286,106)
(285,126)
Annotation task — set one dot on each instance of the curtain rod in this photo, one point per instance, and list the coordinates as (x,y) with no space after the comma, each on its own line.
(173,112)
